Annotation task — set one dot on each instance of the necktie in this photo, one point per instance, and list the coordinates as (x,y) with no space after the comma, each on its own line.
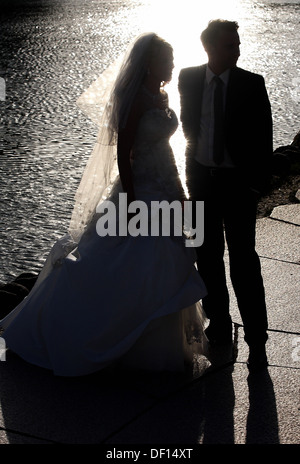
(218,147)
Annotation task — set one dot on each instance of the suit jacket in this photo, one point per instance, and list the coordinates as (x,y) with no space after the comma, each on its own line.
(248,121)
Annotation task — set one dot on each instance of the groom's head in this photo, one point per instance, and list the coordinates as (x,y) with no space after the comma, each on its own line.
(222,44)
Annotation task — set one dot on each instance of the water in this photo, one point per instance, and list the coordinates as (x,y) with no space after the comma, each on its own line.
(52,50)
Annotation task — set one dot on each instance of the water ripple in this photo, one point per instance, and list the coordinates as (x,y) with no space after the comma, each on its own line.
(52,51)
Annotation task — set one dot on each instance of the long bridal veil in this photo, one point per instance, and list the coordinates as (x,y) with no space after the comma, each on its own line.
(100,169)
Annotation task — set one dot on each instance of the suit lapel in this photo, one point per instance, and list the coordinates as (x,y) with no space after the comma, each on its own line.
(233,88)
(200,86)
(198,92)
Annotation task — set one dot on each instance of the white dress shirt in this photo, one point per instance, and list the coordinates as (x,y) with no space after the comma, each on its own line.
(204,154)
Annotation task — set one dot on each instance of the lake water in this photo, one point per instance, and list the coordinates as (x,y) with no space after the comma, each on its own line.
(52,50)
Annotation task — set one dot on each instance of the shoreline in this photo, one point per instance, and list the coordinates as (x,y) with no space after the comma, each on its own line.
(284,190)
(285,181)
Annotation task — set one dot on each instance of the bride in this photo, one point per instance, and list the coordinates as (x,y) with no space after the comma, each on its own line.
(130,300)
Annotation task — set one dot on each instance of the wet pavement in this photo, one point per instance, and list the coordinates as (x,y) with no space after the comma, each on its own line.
(220,404)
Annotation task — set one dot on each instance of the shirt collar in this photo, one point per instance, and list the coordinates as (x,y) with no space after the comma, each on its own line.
(210,75)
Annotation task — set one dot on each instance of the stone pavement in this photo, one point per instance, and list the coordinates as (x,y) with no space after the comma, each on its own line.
(222,405)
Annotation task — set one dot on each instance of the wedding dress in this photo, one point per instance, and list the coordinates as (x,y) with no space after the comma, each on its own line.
(131,300)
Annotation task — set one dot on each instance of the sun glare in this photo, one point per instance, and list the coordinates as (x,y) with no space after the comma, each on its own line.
(180,22)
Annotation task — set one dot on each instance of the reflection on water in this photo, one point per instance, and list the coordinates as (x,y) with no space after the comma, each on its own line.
(53,51)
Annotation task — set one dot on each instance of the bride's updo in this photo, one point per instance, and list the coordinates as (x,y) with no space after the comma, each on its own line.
(157,47)
(131,75)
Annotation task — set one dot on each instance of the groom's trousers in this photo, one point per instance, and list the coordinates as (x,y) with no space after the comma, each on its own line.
(229,213)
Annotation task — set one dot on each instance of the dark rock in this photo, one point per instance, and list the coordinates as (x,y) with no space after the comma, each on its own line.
(286,158)
(27,280)
(296,141)
(281,164)
(16,289)
(11,295)
(8,301)
(282,149)
(26,275)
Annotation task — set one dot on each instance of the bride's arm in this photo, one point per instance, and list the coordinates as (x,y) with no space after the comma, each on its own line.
(125,143)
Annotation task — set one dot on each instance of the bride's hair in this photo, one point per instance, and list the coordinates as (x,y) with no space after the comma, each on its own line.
(131,75)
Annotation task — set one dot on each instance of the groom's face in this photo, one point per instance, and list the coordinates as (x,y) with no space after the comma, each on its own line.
(226,50)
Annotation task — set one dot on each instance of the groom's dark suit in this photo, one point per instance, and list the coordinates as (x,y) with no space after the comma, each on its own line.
(230,193)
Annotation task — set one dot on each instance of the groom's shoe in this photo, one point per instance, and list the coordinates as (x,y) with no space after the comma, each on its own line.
(219,334)
(257,360)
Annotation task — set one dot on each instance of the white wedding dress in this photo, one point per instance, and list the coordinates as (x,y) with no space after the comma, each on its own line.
(128,300)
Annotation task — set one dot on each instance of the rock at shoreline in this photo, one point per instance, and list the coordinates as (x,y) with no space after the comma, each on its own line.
(286,157)
(296,141)
(26,279)
(12,293)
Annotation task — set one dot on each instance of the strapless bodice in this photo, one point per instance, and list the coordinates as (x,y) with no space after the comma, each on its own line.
(152,155)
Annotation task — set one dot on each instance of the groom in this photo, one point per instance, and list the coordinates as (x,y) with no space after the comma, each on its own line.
(227,122)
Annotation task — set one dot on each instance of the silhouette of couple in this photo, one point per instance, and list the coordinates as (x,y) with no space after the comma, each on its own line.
(134,302)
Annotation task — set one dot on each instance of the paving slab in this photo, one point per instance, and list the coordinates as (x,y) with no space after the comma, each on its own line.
(161,385)
(65,410)
(283,350)
(8,437)
(216,404)
(278,240)
(287,213)
(229,406)
(282,288)
(278,245)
